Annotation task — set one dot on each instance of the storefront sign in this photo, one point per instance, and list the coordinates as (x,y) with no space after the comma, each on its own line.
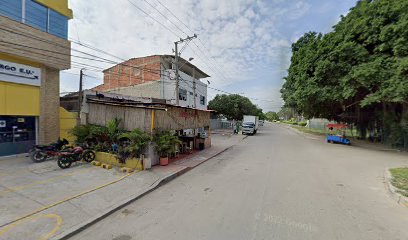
(19,73)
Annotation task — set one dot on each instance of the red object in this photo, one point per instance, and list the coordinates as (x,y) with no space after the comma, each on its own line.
(164,161)
(336,125)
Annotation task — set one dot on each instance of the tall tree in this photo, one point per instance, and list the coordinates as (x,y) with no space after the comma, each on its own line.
(234,106)
(358,72)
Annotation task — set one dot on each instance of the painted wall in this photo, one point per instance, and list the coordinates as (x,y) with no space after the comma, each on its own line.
(67,122)
(148,89)
(19,99)
(60,6)
(169,89)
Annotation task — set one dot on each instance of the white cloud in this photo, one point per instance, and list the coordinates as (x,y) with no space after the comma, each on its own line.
(240,36)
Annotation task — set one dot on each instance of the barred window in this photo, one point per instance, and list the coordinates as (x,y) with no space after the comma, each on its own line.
(182,94)
(202,100)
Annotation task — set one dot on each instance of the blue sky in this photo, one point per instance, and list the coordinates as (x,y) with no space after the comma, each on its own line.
(244,45)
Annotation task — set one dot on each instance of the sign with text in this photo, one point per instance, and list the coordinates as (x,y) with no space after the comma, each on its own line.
(19,73)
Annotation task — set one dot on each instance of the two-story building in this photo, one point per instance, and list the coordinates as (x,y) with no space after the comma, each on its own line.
(155,77)
(33,50)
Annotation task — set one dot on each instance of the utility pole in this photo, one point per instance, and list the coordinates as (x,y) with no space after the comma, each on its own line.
(194,89)
(81,74)
(176,58)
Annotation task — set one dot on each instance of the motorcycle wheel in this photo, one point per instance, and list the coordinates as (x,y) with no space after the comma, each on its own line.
(64,162)
(38,156)
(88,156)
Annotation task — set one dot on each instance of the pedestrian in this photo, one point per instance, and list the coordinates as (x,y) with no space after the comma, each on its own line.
(233,125)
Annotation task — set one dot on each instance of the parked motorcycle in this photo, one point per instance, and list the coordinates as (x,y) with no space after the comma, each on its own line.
(65,159)
(40,153)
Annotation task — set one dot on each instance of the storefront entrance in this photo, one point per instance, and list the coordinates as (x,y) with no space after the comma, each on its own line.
(17,134)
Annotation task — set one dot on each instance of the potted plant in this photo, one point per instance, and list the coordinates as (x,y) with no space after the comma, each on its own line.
(165,146)
(133,144)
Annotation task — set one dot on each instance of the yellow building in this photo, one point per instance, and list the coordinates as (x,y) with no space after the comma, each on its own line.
(33,50)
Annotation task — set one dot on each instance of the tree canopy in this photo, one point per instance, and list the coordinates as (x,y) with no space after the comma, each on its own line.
(356,72)
(234,106)
(271,116)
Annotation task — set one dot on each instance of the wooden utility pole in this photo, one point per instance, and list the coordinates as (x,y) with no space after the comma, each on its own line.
(81,74)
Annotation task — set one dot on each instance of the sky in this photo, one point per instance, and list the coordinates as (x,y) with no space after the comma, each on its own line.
(244,45)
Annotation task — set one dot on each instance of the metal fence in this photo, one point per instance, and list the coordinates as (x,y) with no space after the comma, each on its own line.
(220,124)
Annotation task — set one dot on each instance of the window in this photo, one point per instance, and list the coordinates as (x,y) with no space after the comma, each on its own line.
(136,71)
(36,15)
(11,9)
(182,94)
(17,134)
(202,100)
(58,24)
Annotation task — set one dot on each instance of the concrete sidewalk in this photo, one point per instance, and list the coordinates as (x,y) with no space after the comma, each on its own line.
(63,218)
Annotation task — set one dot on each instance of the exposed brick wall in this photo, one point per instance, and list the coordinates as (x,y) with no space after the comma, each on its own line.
(53,54)
(132,72)
(49,127)
(43,47)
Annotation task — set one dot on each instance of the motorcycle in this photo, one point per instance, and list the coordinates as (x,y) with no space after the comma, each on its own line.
(40,153)
(65,159)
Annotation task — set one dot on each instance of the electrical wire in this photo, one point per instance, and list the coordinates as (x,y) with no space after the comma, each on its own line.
(101,58)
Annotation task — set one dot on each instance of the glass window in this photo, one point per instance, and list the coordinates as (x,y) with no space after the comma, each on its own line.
(17,134)
(58,24)
(36,15)
(182,94)
(202,100)
(11,9)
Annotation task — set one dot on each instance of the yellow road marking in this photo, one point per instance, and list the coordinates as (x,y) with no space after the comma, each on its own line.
(45,237)
(29,215)
(49,180)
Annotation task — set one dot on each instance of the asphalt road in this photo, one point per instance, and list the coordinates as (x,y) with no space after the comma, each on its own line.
(278,184)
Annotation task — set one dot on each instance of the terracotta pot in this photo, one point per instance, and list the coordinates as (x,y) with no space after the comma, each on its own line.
(164,161)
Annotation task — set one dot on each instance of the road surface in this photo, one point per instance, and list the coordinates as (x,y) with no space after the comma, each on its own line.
(278,184)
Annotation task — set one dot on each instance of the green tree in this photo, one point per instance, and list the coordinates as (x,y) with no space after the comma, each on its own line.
(234,106)
(271,116)
(358,72)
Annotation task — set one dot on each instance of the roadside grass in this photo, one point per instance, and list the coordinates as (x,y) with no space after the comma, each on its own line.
(349,133)
(400,180)
(310,130)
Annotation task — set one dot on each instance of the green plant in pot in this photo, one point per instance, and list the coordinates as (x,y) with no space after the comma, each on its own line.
(165,146)
(135,143)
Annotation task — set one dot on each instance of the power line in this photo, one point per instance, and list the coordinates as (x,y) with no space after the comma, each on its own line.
(133,4)
(202,52)
(165,17)
(103,60)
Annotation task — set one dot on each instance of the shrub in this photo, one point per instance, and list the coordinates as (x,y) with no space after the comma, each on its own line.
(136,141)
(303,124)
(81,133)
(166,143)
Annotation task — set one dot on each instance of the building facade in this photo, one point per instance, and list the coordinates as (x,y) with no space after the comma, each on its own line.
(33,50)
(154,77)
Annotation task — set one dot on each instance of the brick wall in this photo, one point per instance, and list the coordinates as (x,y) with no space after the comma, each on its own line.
(52,54)
(132,72)
(29,43)
(49,122)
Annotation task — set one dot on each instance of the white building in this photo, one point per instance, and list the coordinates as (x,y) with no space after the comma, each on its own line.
(155,77)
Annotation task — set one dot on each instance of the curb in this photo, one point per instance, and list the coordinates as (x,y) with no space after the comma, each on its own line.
(402,200)
(80,227)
